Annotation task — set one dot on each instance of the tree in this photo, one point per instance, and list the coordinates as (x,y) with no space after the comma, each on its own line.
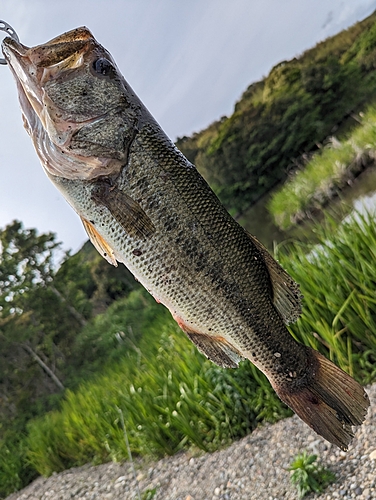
(43,308)
(37,321)
(281,119)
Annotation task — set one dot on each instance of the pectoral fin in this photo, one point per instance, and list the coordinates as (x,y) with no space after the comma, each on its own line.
(126,211)
(100,244)
(287,297)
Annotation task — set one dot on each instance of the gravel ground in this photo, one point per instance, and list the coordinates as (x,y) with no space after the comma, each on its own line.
(253,468)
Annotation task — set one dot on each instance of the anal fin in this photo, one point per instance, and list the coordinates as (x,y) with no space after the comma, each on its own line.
(99,243)
(217,349)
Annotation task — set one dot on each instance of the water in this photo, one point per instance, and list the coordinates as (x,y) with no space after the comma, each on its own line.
(360,196)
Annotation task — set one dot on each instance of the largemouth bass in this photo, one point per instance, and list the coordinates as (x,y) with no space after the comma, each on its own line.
(145,205)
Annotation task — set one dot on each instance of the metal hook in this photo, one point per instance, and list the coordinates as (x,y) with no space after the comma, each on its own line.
(10,31)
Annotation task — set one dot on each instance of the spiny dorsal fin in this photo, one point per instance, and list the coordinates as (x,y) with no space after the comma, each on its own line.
(287,297)
(99,243)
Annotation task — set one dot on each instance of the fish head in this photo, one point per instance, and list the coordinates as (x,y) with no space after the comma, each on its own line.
(76,106)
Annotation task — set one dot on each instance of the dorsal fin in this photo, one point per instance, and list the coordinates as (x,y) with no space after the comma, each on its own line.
(287,297)
(99,243)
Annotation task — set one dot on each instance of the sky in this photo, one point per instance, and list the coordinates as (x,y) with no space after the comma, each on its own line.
(188,60)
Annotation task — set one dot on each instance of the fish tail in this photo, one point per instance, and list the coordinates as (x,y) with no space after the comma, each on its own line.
(327,399)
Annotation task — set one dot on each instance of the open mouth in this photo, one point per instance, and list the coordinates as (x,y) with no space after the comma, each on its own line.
(34,67)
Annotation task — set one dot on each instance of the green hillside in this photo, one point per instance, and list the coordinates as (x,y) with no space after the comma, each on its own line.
(281,119)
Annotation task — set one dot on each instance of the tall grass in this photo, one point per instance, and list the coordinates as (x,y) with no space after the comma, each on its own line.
(172,398)
(338,281)
(328,171)
(15,470)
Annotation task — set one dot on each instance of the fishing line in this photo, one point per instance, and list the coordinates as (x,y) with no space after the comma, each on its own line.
(10,32)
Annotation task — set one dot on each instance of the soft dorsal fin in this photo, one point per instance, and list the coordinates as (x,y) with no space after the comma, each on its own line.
(99,243)
(287,297)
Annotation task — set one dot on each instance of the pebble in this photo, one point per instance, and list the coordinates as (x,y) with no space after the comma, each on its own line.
(254,468)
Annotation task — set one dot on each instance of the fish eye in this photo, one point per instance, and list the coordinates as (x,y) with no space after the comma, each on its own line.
(102,66)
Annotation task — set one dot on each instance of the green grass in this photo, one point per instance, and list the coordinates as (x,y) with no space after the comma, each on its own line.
(172,398)
(338,280)
(326,172)
(15,470)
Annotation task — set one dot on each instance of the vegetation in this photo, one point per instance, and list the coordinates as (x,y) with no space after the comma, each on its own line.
(41,313)
(309,477)
(170,396)
(280,120)
(149,494)
(325,174)
(339,314)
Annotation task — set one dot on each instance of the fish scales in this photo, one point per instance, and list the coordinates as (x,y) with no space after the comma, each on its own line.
(189,259)
(145,205)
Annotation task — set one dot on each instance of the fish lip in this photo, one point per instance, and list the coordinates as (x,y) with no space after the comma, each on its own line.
(73,40)
(17,57)
(10,47)
(50,54)
(77,34)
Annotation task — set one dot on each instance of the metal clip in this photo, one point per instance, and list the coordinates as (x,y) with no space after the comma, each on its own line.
(10,31)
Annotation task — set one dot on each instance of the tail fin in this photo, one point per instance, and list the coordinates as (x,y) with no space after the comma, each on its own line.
(329,401)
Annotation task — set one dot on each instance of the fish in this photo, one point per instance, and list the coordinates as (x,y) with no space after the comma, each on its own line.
(145,205)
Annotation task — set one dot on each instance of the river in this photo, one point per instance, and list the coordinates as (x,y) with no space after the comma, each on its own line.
(359,196)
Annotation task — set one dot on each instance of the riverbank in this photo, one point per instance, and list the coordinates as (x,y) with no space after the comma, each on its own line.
(326,175)
(252,468)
